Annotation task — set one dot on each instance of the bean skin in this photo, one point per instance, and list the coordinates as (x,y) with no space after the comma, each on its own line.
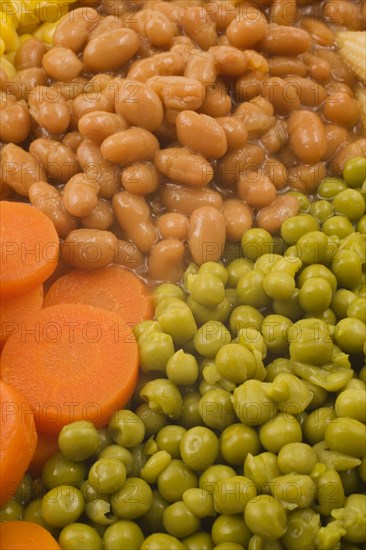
(283,66)
(132,145)
(336,137)
(318,68)
(307,136)
(15,122)
(110,51)
(183,166)
(310,93)
(201,66)
(89,102)
(170,63)
(61,64)
(19,169)
(238,219)
(284,12)
(349,151)
(155,26)
(138,104)
(207,234)
(30,54)
(228,60)
(72,140)
(232,164)
(165,261)
(48,109)
(200,27)
(285,40)
(187,199)
(342,109)
(98,125)
(140,178)
(271,217)
(58,160)
(98,169)
(128,255)
(25,81)
(80,195)
(201,133)
(276,172)
(89,248)
(247,30)
(217,102)
(319,31)
(100,218)
(173,225)
(178,92)
(306,177)
(72,30)
(256,189)
(282,95)
(235,131)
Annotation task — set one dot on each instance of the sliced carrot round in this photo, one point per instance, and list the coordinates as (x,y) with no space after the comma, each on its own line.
(29,247)
(114,288)
(25,535)
(72,362)
(47,446)
(14,311)
(18,438)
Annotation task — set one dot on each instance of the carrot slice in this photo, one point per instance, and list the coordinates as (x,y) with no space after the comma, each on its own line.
(47,445)
(18,438)
(113,288)
(29,248)
(25,535)
(72,362)
(14,311)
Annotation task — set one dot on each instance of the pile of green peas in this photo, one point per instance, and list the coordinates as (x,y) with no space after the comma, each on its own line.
(247,426)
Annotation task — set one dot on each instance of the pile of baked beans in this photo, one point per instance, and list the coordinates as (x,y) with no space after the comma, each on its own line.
(159,131)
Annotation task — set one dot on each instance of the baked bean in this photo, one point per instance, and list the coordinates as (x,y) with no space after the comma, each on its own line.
(70,90)
(100,218)
(29,54)
(318,68)
(207,234)
(248,157)
(58,160)
(249,86)
(72,140)
(61,64)
(166,133)
(305,177)
(202,134)
(48,109)
(100,82)
(307,136)
(271,217)
(217,102)
(285,40)
(183,166)
(336,137)
(98,169)
(198,24)
(310,93)
(120,8)
(105,25)
(140,178)
(320,33)
(343,12)
(110,51)
(19,169)
(248,29)
(155,26)
(80,195)
(283,96)
(48,199)
(88,102)
(163,64)
(131,145)
(172,11)
(173,225)
(284,66)
(342,109)
(275,171)
(165,261)
(146,49)
(287,156)
(201,66)
(263,103)
(138,104)
(89,248)
(25,81)
(256,189)
(339,70)
(335,87)
(186,199)
(73,28)
(98,125)
(133,216)
(256,61)
(222,12)
(15,122)
(235,131)
(348,151)
(178,92)
(256,121)
(284,12)
(228,60)
(238,219)
(128,255)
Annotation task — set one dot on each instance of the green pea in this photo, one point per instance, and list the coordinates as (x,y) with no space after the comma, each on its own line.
(302,528)
(145,329)
(155,351)
(303,200)
(261,469)
(347,267)
(353,518)
(255,242)
(296,457)
(232,494)
(62,505)
(293,490)
(210,337)
(214,268)
(330,493)
(179,521)
(279,286)
(199,502)
(349,203)
(214,474)
(192,269)
(338,225)
(253,340)
(310,342)
(236,442)
(317,271)
(296,226)
(315,295)
(251,404)
(265,516)
(275,329)
(352,403)
(58,470)
(266,262)
(199,448)
(123,535)
(126,428)
(276,433)
(250,290)
(230,529)
(104,439)
(313,247)
(11,511)
(362,469)
(207,289)
(341,299)
(154,466)
(168,439)
(167,290)
(236,269)
(316,423)
(350,335)
(347,436)
(182,368)
(190,415)
(153,420)
(39,489)
(117,451)
(357,309)
(152,520)
(350,481)
(133,499)
(78,440)
(176,319)
(32,512)
(79,535)
(291,308)
(216,409)
(354,171)
(176,478)
(161,541)
(289,392)
(361,225)
(108,474)
(163,396)
(321,210)
(276,367)
(245,316)
(24,491)
(329,187)
(235,363)
(203,314)
(201,540)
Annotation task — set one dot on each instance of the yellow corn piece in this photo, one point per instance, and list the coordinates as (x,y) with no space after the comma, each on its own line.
(360,93)
(45,32)
(8,33)
(352,48)
(11,9)
(25,36)
(2,46)
(8,67)
(10,56)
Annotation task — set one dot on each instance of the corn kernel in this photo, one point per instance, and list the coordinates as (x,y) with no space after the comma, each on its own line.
(7,67)
(352,48)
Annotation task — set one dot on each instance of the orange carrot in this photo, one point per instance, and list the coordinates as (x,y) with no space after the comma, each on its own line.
(18,438)
(25,535)
(72,362)
(114,288)
(14,311)
(29,248)
(47,445)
